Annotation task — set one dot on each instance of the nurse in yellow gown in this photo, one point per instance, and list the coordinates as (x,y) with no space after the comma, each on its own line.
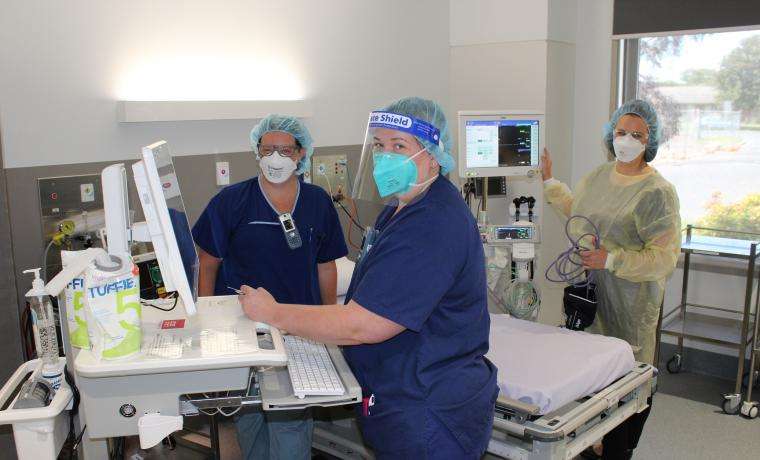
(637,214)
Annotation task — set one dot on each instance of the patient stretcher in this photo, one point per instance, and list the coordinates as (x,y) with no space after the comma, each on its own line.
(561,391)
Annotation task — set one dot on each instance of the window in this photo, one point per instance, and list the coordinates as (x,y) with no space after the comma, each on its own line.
(706,88)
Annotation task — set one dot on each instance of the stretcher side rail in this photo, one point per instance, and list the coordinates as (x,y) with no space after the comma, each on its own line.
(580,425)
(560,424)
(515,409)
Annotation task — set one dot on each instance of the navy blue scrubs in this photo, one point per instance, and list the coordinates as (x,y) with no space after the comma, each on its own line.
(430,390)
(240,227)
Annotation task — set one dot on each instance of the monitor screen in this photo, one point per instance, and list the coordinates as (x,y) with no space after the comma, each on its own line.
(501,143)
(513,233)
(167,222)
(177,215)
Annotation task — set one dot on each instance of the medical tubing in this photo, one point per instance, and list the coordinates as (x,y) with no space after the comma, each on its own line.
(568,266)
(44,259)
(523,298)
(348,213)
(329,185)
(351,222)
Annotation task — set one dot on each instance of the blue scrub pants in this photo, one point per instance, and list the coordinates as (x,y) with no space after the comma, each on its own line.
(438,444)
(275,435)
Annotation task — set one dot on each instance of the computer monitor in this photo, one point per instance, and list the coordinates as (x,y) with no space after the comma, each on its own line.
(500,143)
(167,223)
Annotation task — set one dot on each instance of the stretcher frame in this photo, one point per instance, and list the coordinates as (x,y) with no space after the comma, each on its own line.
(520,433)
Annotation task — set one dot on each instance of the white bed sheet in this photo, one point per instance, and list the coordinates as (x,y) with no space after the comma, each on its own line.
(550,366)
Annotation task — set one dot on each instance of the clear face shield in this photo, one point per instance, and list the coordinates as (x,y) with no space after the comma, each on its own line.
(390,166)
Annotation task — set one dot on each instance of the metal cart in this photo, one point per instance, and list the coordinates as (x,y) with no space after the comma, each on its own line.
(717,325)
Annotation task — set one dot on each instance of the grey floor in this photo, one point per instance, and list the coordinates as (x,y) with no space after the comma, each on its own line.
(686,423)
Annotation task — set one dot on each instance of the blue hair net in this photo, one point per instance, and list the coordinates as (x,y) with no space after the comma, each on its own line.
(289,125)
(431,112)
(646,112)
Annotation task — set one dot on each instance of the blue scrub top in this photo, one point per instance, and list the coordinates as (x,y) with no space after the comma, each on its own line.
(426,272)
(185,243)
(240,227)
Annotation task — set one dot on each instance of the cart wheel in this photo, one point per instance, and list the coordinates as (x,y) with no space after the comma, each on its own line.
(674,364)
(731,405)
(753,412)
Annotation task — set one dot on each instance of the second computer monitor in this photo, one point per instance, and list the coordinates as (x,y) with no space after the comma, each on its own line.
(500,143)
(167,222)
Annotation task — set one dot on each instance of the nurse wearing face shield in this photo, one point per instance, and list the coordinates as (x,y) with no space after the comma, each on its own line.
(637,214)
(415,325)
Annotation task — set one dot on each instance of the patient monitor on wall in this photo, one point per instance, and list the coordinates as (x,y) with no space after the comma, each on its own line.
(507,143)
(500,143)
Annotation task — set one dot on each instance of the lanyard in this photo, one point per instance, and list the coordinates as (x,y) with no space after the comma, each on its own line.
(288,224)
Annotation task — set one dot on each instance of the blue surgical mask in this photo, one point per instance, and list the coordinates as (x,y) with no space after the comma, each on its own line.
(394,173)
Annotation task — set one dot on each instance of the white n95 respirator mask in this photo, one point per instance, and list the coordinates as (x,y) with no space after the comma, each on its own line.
(627,148)
(276,168)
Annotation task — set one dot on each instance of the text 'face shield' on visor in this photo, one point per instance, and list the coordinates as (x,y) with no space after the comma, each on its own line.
(386,167)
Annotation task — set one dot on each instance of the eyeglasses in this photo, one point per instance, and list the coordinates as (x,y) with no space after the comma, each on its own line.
(634,134)
(286,151)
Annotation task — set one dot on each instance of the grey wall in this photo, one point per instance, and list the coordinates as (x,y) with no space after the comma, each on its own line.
(197,179)
(10,342)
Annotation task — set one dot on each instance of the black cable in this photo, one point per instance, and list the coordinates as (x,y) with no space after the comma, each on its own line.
(78,440)
(472,191)
(148,304)
(72,437)
(468,191)
(350,216)
(77,397)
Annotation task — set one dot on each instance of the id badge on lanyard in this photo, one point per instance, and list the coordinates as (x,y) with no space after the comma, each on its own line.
(292,236)
(370,236)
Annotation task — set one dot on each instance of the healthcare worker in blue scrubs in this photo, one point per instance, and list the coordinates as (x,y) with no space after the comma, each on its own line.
(415,327)
(242,241)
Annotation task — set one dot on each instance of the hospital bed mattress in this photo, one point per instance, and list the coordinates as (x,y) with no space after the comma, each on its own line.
(579,363)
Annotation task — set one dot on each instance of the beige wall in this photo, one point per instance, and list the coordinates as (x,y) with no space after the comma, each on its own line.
(65,65)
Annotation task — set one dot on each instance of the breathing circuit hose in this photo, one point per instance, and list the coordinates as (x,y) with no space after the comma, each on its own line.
(568,267)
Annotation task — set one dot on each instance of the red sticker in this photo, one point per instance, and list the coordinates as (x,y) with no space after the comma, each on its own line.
(173,324)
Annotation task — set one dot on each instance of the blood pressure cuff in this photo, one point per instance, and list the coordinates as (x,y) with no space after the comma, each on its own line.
(580,306)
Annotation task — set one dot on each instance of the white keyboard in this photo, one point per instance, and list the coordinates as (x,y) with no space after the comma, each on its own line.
(312,372)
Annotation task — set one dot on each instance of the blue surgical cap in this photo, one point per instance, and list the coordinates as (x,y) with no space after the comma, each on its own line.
(646,112)
(431,112)
(289,125)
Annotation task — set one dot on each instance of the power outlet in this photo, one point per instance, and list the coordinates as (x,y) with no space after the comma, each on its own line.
(222,173)
(331,173)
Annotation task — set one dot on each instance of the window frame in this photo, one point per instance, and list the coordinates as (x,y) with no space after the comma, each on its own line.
(625,77)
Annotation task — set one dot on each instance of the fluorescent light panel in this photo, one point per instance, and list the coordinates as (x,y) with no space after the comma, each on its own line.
(151,111)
